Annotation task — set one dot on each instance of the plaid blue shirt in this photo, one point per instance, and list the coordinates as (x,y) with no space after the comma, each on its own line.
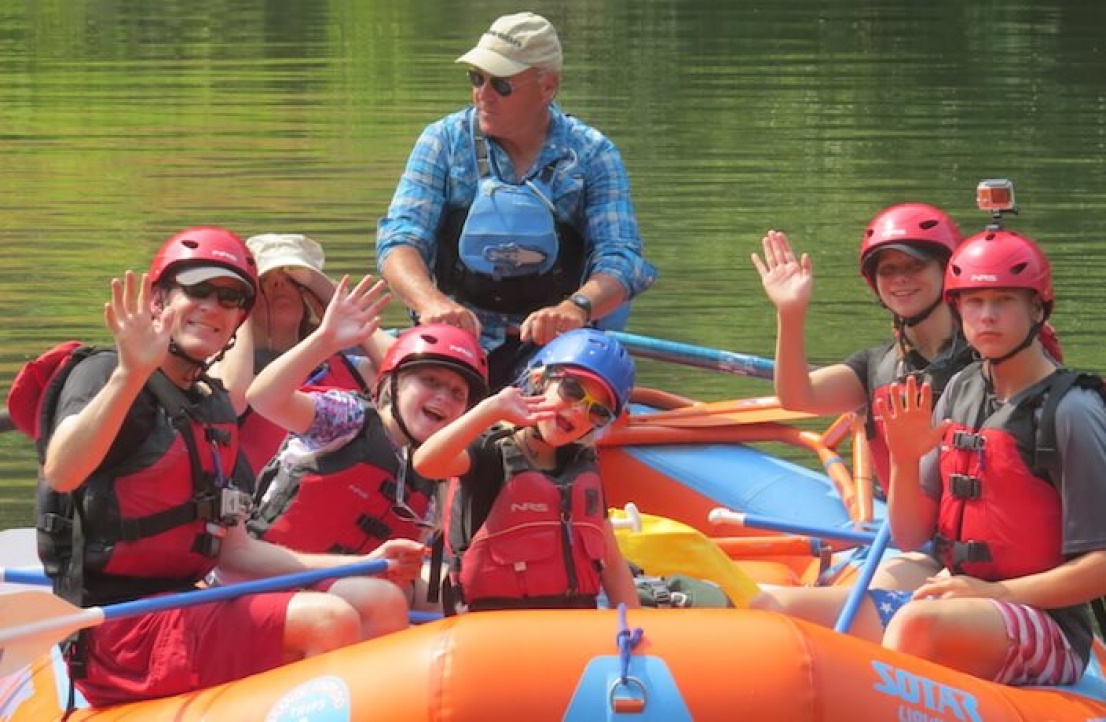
(590,191)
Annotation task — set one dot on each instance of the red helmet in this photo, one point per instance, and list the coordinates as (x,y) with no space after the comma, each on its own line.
(205,246)
(920,230)
(438,344)
(1000,259)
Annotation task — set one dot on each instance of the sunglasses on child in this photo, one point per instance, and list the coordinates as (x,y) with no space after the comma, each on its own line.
(572,390)
(502,86)
(400,508)
(228,297)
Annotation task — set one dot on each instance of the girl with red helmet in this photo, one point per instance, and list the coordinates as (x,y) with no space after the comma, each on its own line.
(528,526)
(902,258)
(1015,522)
(343,481)
(143,436)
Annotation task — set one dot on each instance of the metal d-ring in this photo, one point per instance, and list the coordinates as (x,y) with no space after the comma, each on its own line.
(627,705)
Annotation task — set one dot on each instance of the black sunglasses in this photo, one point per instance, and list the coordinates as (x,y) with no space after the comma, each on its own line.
(400,507)
(571,390)
(227,297)
(502,86)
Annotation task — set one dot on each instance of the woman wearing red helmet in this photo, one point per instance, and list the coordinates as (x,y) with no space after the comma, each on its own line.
(142,443)
(1014,513)
(343,480)
(902,257)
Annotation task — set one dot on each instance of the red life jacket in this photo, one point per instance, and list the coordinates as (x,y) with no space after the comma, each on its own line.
(339,502)
(543,539)
(152,523)
(262,438)
(997,518)
(892,368)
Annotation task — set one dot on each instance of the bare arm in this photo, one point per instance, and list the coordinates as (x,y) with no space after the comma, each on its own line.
(788,283)
(409,278)
(243,557)
(351,317)
(445,453)
(81,441)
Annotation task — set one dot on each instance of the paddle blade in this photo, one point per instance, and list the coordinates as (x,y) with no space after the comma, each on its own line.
(33,621)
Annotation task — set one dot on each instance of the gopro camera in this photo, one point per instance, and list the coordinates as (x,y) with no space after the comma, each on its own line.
(995,196)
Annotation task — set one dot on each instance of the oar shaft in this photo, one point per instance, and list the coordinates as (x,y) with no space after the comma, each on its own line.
(257,586)
(856,594)
(726,516)
(24,576)
(698,356)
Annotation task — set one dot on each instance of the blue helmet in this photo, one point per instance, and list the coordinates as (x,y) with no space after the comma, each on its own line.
(594,351)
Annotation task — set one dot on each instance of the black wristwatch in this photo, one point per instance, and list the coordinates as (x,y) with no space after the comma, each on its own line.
(579,299)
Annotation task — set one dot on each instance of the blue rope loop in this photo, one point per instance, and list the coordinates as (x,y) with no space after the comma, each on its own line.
(626,639)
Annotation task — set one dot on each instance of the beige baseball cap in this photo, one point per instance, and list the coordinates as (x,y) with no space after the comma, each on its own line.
(300,257)
(515,43)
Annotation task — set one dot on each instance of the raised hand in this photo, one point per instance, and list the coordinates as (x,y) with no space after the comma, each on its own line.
(787,281)
(906,417)
(353,315)
(141,336)
(521,410)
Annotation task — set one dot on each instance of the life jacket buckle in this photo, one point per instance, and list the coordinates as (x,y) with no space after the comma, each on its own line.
(968,441)
(963,486)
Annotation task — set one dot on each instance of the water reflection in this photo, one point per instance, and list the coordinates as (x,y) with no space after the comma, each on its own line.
(125,121)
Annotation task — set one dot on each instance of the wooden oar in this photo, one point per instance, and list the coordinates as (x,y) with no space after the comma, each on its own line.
(33,621)
(755,410)
(698,356)
(721,515)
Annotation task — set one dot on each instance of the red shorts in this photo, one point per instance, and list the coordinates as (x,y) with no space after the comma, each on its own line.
(180,650)
(1039,652)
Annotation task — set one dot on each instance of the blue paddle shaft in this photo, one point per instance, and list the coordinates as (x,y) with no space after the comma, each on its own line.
(698,356)
(257,586)
(848,535)
(860,588)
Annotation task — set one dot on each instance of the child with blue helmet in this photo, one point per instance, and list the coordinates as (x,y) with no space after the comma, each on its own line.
(528,525)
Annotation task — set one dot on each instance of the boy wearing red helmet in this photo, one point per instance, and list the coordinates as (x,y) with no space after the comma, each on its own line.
(129,430)
(1016,522)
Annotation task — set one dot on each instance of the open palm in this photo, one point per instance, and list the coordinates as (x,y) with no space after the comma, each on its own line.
(788,281)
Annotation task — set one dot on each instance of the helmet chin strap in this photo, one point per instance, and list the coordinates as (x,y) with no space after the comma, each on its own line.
(911,321)
(1034,331)
(393,392)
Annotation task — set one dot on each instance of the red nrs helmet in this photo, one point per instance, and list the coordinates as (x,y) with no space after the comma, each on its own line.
(205,246)
(438,344)
(999,259)
(920,230)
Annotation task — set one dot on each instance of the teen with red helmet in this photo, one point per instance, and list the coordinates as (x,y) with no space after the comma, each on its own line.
(529,478)
(1018,527)
(343,481)
(902,258)
(137,435)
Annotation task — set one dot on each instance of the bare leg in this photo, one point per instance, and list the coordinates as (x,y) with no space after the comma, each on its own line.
(380,605)
(907,571)
(317,622)
(821,605)
(965,634)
